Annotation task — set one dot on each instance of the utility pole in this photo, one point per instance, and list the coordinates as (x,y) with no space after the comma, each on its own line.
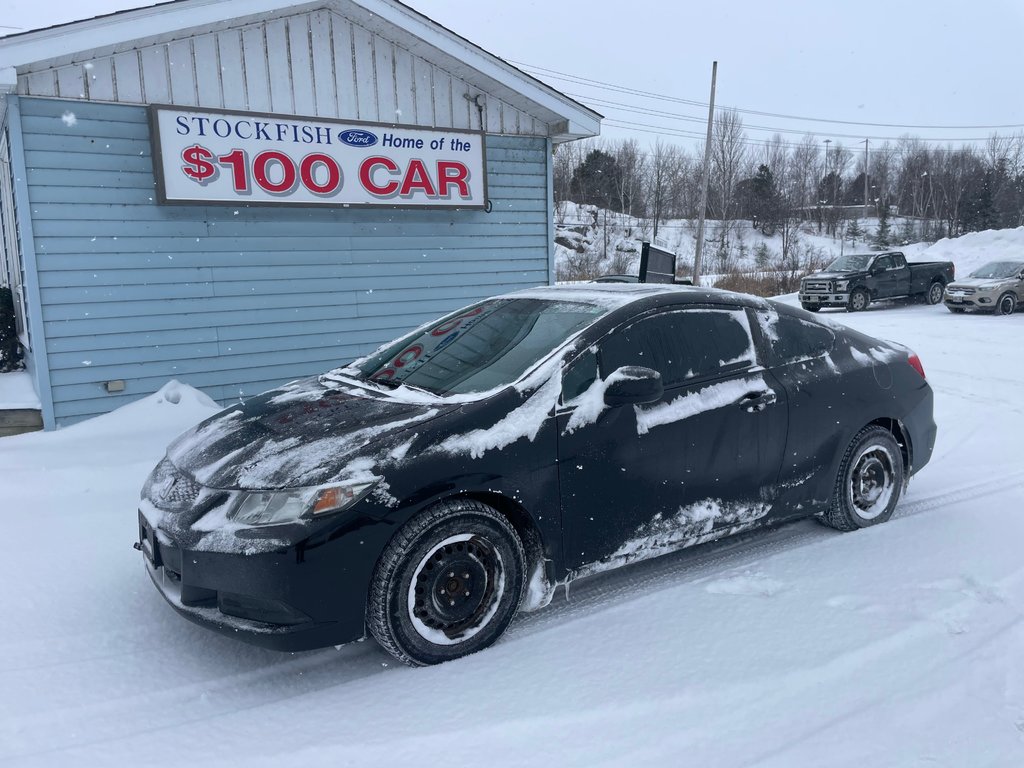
(705,173)
(865,178)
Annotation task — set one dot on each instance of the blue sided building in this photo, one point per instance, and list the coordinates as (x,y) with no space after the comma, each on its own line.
(236,194)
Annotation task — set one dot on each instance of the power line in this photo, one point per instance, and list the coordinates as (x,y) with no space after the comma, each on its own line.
(600,84)
(758,143)
(675,116)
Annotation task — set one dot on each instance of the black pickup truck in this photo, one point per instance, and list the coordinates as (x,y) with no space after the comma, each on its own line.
(856,280)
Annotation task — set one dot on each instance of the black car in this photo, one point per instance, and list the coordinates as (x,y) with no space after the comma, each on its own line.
(428,492)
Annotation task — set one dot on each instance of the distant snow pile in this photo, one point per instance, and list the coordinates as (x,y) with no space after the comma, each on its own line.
(970,251)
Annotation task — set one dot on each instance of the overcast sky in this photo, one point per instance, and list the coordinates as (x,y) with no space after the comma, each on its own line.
(903,63)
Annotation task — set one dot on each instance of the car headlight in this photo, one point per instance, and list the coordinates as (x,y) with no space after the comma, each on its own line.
(842,285)
(276,507)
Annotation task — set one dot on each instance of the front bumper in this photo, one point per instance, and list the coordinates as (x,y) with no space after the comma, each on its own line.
(825,299)
(295,598)
(975,301)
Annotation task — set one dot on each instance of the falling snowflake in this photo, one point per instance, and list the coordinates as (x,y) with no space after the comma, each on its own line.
(69,119)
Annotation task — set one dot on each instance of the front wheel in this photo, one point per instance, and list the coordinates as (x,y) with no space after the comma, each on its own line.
(935,291)
(448,584)
(859,300)
(869,482)
(1007,304)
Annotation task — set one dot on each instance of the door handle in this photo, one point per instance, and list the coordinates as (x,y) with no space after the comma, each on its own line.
(753,402)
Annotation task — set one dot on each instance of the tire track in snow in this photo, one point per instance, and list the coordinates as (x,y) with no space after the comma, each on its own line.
(691,566)
(196,702)
(976,489)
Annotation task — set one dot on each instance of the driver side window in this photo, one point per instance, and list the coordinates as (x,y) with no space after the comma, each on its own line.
(682,345)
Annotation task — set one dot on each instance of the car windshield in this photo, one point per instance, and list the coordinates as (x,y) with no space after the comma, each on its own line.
(483,347)
(998,269)
(852,263)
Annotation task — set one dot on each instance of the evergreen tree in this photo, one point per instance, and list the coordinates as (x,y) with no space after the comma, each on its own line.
(854,232)
(906,235)
(596,181)
(883,235)
(979,208)
(10,348)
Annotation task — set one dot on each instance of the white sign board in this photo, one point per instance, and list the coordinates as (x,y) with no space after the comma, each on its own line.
(245,158)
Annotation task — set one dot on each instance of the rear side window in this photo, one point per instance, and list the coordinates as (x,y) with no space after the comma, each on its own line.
(792,338)
(682,345)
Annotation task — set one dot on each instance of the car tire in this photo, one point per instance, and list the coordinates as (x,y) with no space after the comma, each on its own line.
(869,481)
(935,293)
(1007,304)
(858,301)
(448,584)
(812,307)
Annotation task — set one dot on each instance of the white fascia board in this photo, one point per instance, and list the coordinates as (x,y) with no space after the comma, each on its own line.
(124,26)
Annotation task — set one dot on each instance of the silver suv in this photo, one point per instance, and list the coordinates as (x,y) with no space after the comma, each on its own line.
(997,287)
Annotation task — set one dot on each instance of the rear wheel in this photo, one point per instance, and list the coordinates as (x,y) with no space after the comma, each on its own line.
(1007,304)
(935,291)
(447,584)
(869,482)
(859,300)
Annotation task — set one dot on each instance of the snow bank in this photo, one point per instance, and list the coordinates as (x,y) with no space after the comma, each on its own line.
(970,251)
(147,425)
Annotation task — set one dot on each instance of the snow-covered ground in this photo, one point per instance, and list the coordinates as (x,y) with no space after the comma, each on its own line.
(897,646)
(17,391)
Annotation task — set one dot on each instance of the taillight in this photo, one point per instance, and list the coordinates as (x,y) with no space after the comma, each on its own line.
(915,363)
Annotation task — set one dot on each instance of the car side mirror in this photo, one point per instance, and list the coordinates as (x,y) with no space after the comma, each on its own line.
(633,385)
(877,270)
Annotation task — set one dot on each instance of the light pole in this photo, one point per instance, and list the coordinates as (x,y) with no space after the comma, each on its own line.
(865,178)
(827,142)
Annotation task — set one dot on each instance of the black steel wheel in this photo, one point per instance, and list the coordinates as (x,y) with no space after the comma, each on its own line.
(935,292)
(869,481)
(448,584)
(859,300)
(1007,304)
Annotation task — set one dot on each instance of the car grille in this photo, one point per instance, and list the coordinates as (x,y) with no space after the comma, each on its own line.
(818,286)
(963,291)
(171,489)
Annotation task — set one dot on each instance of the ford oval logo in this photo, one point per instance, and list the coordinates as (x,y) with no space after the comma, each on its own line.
(355,138)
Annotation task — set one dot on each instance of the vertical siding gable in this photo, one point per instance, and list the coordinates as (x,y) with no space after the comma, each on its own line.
(317,63)
(234,300)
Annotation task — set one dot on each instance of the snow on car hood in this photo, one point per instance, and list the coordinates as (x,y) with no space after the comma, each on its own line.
(979,282)
(831,275)
(303,434)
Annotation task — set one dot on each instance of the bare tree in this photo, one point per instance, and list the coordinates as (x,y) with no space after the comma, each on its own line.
(728,158)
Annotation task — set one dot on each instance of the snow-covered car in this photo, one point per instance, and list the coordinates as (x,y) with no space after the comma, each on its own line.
(996,287)
(428,492)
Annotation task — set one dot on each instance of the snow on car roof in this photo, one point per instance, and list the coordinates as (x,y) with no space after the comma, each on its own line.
(611,295)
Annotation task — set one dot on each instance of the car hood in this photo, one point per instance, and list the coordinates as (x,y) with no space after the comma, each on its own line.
(303,434)
(978,282)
